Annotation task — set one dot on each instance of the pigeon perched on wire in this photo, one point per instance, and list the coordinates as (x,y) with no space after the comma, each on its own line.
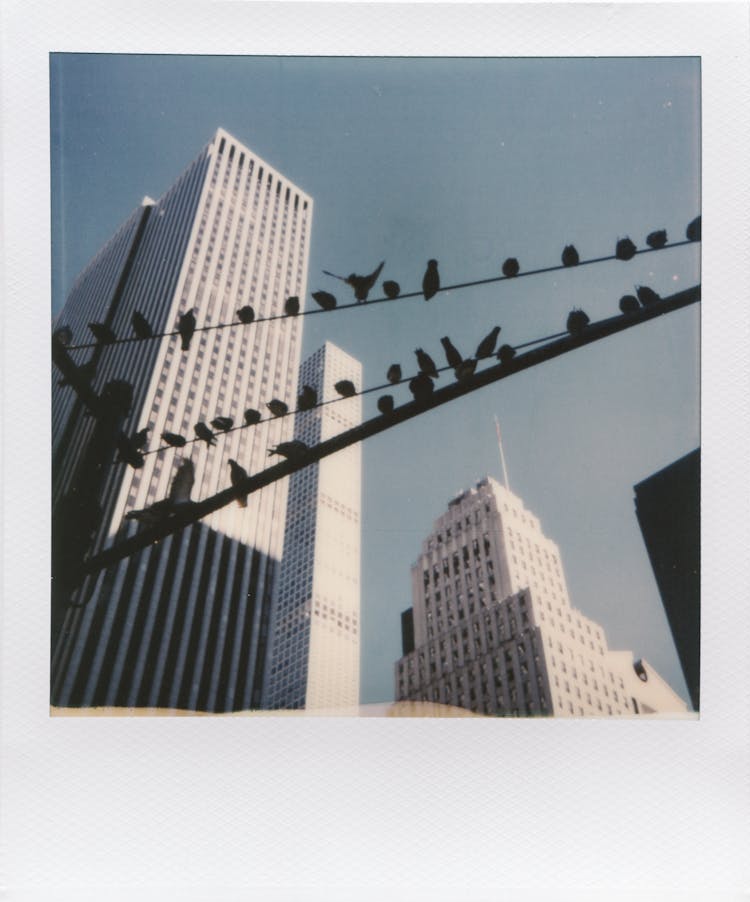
(178,501)
(361,284)
(103,334)
(431,280)
(570,256)
(222,424)
(506,353)
(289,449)
(647,296)
(85,371)
(486,347)
(128,452)
(422,387)
(465,370)
(252,416)
(63,336)
(391,289)
(307,398)
(657,240)
(204,434)
(346,388)
(426,363)
(394,374)
(577,322)
(174,440)
(238,473)
(141,325)
(385,404)
(186,328)
(291,306)
(625,249)
(277,408)
(140,438)
(693,231)
(246,314)
(324,300)
(452,354)
(511,268)
(629,303)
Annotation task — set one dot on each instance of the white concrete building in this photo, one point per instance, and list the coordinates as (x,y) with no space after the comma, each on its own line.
(183,623)
(315,651)
(492,628)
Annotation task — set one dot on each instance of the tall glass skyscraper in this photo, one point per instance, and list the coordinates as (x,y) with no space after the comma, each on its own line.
(316,627)
(185,623)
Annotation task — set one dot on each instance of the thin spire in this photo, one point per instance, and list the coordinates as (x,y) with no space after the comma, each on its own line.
(502,455)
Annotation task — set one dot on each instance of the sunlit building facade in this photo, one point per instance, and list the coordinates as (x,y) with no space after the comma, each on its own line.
(492,628)
(185,623)
(315,658)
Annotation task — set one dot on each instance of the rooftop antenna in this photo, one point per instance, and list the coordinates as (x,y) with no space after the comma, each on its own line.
(502,456)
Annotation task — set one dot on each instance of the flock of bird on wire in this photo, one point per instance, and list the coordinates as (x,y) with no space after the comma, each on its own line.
(421,386)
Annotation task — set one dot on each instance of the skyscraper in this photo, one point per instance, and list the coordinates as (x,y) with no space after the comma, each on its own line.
(184,623)
(492,628)
(316,630)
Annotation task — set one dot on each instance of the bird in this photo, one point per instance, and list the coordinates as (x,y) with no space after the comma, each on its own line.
(63,336)
(486,347)
(625,249)
(307,398)
(205,434)
(346,388)
(511,267)
(128,452)
(577,321)
(186,327)
(176,441)
(238,473)
(385,404)
(291,306)
(693,231)
(103,334)
(288,449)
(629,303)
(647,296)
(152,515)
(246,314)
(324,299)
(222,424)
(252,416)
(277,408)
(178,500)
(182,483)
(141,325)
(452,354)
(570,256)
(140,438)
(657,239)
(465,370)
(431,280)
(391,289)
(422,387)
(394,373)
(85,371)
(506,353)
(426,363)
(361,284)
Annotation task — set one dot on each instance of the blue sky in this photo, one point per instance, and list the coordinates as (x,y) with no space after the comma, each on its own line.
(467,161)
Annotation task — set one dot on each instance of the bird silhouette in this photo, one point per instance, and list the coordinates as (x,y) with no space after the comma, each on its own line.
(222,424)
(289,449)
(277,408)
(570,256)
(246,314)
(629,303)
(177,501)
(625,249)
(176,441)
(140,438)
(324,299)
(577,321)
(422,387)
(391,289)
(465,370)
(141,325)
(238,473)
(452,354)
(128,452)
(307,399)
(394,373)
(252,416)
(486,347)
(361,284)
(182,483)
(63,336)
(291,306)
(346,388)
(657,239)
(186,327)
(426,363)
(431,280)
(506,353)
(385,404)
(511,267)
(103,334)
(85,371)
(647,296)
(204,434)
(693,231)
